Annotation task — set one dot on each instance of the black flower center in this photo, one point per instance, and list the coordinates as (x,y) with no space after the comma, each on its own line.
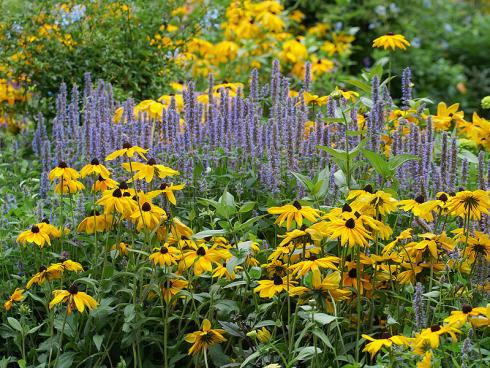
(350,224)
(73,289)
(117,193)
(435,328)
(123,185)
(146,207)
(368,188)
(35,229)
(127,145)
(42,268)
(419,199)
(353,273)
(346,208)
(62,165)
(385,335)
(467,308)
(357,214)
(100,178)
(297,205)
(95,162)
(277,280)
(390,34)
(164,250)
(94,213)
(126,194)
(45,220)
(163,186)
(151,162)
(443,197)
(201,251)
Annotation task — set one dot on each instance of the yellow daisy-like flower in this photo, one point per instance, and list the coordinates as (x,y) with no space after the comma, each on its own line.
(429,338)
(95,167)
(314,265)
(391,41)
(269,288)
(149,217)
(168,190)
(127,150)
(121,248)
(201,257)
(17,296)
(74,299)
(472,204)
(172,287)
(165,256)
(46,227)
(95,223)
(350,231)
(386,341)
(114,200)
(34,235)
(204,338)
(148,170)
(52,272)
(294,212)
(63,171)
(476,316)
(66,186)
(419,207)
(103,184)
(446,115)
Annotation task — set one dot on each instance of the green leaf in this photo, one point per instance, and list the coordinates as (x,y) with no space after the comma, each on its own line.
(22,363)
(359,84)
(15,324)
(208,233)
(308,352)
(398,160)
(98,341)
(247,207)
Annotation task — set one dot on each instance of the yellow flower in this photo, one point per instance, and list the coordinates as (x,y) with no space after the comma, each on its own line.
(114,200)
(386,341)
(168,190)
(419,207)
(149,217)
(269,288)
(103,184)
(350,231)
(172,287)
(390,40)
(202,258)
(472,204)
(17,296)
(52,272)
(127,150)
(96,223)
(314,100)
(293,51)
(121,248)
(34,235)
(165,256)
(74,299)
(148,170)
(446,115)
(204,338)
(263,335)
(426,362)
(95,167)
(429,338)
(314,265)
(294,212)
(63,171)
(67,186)
(476,316)
(72,266)
(49,229)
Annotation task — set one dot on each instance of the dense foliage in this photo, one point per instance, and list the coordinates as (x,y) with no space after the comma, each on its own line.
(282,206)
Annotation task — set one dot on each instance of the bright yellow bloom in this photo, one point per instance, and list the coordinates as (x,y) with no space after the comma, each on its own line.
(263,335)
(128,150)
(204,338)
(46,227)
(429,338)
(103,184)
(95,167)
(201,258)
(121,248)
(392,41)
(314,265)
(17,296)
(168,190)
(34,235)
(472,204)
(269,288)
(96,223)
(114,200)
(350,231)
(149,217)
(294,212)
(419,207)
(476,316)
(165,256)
(172,287)
(68,187)
(148,170)
(52,272)
(63,171)
(386,341)
(446,115)
(74,299)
